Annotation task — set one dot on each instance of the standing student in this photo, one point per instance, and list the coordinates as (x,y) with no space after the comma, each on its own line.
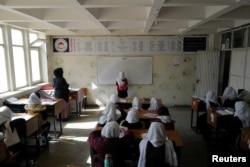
(122,85)
(110,141)
(61,91)
(156,149)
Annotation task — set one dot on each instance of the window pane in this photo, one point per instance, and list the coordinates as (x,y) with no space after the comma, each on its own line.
(33,37)
(17,37)
(35,65)
(19,65)
(1,35)
(3,76)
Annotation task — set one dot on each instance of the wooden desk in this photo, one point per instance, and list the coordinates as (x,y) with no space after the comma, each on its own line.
(76,98)
(198,106)
(245,139)
(56,104)
(126,103)
(215,117)
(146,114)
(31,121)
(172,135)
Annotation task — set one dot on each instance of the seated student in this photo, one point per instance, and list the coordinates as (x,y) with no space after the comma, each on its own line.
(165,118)
(228,98)
(204,128)
(156,149)
(153,104)
(11,138)
(110,141)
(110,113)
(136,103)
(241,119)
(114,99)
(132,120)
(35,106)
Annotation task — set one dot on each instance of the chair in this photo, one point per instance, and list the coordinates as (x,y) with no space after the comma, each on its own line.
(85,92)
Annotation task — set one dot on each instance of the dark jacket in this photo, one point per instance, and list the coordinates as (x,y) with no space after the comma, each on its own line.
(118,147)
(61,86)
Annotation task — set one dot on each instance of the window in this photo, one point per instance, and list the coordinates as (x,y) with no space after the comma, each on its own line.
(20,63)
(35,65)
(18,58)
(3,76)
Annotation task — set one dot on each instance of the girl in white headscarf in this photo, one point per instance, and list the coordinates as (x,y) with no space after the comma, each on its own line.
(109,141)
(110,113)
(156,149)
(211,97)
(241,119)
(35,106)
(229,97)
(10,134)
(136,103)
(122,85)
(153,104)
(132,120)
(242,111)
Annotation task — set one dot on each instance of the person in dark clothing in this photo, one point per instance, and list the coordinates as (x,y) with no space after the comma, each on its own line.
(156,149)
(165,118)
(61,91)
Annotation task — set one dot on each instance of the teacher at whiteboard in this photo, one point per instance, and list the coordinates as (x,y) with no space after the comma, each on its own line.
(122,85)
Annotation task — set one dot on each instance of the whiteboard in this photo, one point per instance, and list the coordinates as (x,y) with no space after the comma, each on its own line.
(138,70)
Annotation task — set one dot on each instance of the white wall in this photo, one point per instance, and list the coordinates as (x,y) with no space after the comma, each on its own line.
(174,84)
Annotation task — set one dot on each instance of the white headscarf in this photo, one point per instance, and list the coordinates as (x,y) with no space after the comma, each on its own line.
(34,99)
(157,136)
(132,116)
(164,118)
(111,130)
(210,97)
(119,79)
(153,104)
(113,98)
(242,111)
(136,103)
(110,113)
(229,94)
(5,114)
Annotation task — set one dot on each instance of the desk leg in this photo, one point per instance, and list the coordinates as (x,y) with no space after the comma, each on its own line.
(60,119)
(55,126)
(192,113)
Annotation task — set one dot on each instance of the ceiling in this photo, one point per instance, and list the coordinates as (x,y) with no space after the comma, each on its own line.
(125,17)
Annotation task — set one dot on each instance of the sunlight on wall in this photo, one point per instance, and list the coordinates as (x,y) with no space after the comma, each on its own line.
(93,86)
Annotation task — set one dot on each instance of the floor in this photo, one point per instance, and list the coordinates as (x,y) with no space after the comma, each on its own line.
(72,149)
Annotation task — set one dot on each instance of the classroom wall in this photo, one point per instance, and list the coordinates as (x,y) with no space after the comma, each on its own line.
(173,84)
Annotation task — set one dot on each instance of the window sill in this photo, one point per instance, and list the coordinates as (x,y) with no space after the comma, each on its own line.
(23,92)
